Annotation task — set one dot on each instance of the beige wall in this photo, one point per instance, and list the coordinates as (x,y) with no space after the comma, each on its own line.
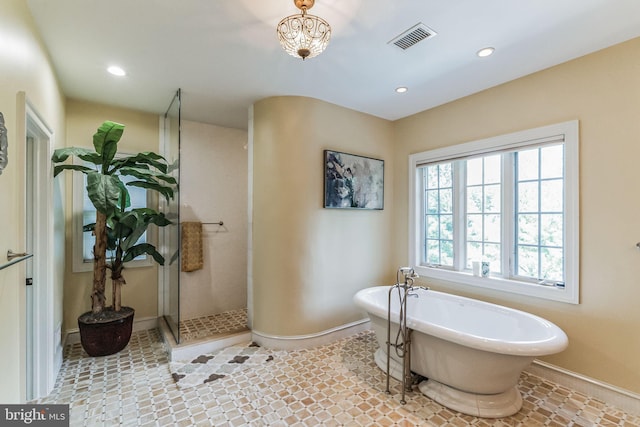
(308,262)
(140,134)
(602,91)
(24,66)
(213,187)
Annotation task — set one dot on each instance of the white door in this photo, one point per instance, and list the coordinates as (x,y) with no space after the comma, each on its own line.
(29,210)
(43,351)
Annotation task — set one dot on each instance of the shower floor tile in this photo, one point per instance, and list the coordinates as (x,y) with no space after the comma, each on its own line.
(337,384)
(214,324)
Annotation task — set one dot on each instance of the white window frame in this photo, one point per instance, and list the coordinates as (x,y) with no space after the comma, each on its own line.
(79,264)
(566,132)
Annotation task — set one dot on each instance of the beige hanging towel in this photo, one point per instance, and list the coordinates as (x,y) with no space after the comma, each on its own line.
(191,246)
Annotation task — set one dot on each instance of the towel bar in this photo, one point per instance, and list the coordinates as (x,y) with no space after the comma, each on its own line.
(211,223)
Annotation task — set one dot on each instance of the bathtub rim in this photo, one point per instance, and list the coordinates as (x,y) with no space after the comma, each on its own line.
(556,342)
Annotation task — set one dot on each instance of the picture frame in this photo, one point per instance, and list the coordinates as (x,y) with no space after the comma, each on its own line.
(4,145)
(352,181)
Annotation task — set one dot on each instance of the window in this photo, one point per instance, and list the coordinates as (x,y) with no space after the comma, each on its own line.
(511,201)
(85,213)
(439,214)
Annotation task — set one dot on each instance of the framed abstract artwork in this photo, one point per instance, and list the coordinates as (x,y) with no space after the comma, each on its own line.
(4,144)
(353,182)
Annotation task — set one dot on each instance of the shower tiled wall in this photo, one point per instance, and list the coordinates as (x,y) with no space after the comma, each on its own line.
(214,188)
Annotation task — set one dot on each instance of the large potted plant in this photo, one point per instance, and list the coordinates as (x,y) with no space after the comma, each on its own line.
(118,228)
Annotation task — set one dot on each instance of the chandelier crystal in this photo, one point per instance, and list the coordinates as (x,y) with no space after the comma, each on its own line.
(304,36)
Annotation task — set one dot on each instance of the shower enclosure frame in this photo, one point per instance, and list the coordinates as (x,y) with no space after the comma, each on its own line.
(169,236)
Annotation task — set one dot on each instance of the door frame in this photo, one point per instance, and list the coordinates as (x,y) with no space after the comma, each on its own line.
(45,337)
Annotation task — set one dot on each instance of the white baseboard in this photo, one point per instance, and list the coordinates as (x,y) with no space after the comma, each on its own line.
(57,363)
(72,336)
(625,400)
(297,342)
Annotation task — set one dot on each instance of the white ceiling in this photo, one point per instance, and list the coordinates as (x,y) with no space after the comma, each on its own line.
(225,55)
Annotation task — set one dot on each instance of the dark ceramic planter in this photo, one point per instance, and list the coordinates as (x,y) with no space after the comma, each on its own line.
(106,333)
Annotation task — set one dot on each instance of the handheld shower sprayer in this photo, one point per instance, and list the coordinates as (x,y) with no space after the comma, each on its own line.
(409,275)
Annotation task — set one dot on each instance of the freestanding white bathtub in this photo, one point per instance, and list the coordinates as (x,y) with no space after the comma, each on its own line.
(472,352)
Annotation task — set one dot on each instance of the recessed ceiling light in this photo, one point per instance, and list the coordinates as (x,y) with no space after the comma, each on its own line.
(116,71)
(401,89)
(485,52)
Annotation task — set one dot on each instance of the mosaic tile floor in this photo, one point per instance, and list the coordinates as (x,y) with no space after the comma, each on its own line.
(214,366)
(207,326)
(333,385)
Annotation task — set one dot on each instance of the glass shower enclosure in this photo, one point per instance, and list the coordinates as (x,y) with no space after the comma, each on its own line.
(170,235)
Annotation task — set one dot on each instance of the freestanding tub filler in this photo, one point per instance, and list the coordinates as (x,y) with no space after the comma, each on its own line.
(472,352)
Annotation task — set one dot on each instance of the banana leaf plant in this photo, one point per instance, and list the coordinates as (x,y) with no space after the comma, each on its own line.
(118,227)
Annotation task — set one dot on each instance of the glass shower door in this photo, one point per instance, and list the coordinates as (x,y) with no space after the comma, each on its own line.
(170,235)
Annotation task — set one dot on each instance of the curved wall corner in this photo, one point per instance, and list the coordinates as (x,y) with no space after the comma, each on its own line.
(307,261)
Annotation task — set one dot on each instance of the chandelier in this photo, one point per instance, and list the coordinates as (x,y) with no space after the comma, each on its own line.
(304,36)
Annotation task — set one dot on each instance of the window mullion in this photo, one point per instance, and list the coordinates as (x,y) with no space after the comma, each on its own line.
(422,212)
(459,215)
(540,273)
(508,216)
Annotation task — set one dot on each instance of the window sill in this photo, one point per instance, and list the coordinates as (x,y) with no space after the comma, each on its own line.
(88,266)
(500,284)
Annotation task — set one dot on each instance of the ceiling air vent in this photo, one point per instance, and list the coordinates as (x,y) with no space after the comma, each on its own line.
(413,35)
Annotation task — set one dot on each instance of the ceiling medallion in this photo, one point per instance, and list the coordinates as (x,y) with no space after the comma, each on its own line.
(304,36)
